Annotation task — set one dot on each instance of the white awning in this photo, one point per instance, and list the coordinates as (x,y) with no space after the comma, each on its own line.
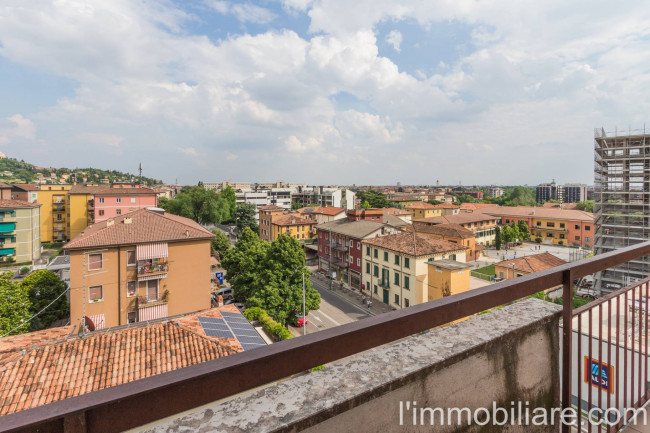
(152,251)
(146,277)
(98,320)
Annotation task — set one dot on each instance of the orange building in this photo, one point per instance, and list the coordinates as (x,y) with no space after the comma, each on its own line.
(454,233)
(266,214)
(139,266)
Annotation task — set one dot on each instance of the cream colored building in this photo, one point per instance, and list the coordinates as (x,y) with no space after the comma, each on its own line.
(20,231)
(396,267)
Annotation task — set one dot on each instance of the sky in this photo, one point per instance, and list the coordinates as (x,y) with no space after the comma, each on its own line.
(322,91)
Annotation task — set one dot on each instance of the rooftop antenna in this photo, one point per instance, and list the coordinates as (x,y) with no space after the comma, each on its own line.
(140,171)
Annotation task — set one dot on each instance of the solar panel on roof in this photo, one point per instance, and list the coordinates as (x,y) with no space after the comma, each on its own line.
(251,340)
(221,334)
(243,331)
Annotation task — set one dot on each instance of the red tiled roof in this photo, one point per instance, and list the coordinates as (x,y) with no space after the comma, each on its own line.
(270,207)
(291,220)
(541,212)
(534,263)
(51,365)
(415,244)
(398,199)
(421,206)
(451,230)
(560,205)
(146,226)
(461,218)
(27,186)
(327,210)
(12,204)
(4,185)
(446,206)
(474,206)
(125,191)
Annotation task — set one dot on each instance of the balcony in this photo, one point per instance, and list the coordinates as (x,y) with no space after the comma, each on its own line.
(7,227)
(91,204)
(7,216)
(56,200)
(58,208)
(509,354)
(336,246)
(384,283)
(152,269)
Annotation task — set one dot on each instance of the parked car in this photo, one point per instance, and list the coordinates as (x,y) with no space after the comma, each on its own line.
(226,292)
(299,321)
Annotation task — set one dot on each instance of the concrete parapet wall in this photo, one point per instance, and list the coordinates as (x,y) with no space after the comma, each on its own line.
(507,355)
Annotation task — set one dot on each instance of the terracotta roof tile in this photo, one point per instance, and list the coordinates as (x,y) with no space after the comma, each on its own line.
(415,244)
(475,206)
(322,210)
(461,218)
(446,206)
(13,204)
(290,220)
(421,206)
(533,263)
(27,186)
(451,230)
(146,226)
(270,207)
(541,212)
(50,365)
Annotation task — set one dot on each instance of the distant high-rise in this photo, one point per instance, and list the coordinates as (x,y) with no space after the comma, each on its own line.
(574,192)
(548,191)
(621,203)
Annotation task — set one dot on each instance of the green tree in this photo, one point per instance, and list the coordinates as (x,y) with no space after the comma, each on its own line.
(202,205)
(365,205)
(43,288)
(497,238)
(14,306)
(295,205)
(507,234)
(434,202)
(375,199)
(524,232)
(269,275)
(245,217)
(220,243)
(464,198)
(587,206)
(228,194)
(521,196)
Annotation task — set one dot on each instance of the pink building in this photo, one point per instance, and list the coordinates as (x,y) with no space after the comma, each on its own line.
(122,198)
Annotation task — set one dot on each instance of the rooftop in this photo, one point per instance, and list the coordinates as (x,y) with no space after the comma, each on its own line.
(446,206)
(461,218)
(475,206)
(415,244)
(541,212)
(450,230)
(54,364)
(270,207)
(451,265)
(421,206)
(145,226)
(355,229)
(533,263)
(326,210)
(16,204)
(290,220)
(26,186)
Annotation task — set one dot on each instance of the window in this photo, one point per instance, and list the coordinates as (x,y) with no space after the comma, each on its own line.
(507,221)
(396,279)
(539,233)
(101,212)
(130,288)
(367,251)
(577,227)
(561,225)
(118,200)
(376,253)
(118,211)
(561,235)
(397,299)
(95,294)
(375,271)
(406,282)
(101,199)
(58,217)
(359,245)
(587,228)
(577,238)
(94,262)
(549,235)
(130,258)
(550,224)
(385,256)
(587,239)
(130,317)
(152,289)
(367,268)
(501,275)
(406,302)
(539,223)
(358,262)
(351,259)
(396,259)
(132,199)
(375,289)
(407,262)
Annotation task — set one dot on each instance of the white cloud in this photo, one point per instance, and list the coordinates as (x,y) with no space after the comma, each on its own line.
(244,12)
(231,156)
(188,151)
(101,139)
(394,38)
(16,126)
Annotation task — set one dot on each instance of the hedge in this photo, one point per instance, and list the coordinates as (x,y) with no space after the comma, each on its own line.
(272,327)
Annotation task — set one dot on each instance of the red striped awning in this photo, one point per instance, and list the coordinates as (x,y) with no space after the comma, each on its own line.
(152,251)
(98,320)
(146,277)
(154,312)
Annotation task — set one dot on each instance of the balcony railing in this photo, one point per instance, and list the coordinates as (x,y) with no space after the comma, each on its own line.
(139,402)
(152,268)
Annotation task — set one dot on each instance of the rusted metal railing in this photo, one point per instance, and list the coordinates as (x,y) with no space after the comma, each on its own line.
(136,403)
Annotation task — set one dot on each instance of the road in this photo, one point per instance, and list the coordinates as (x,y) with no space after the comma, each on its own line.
(333,311)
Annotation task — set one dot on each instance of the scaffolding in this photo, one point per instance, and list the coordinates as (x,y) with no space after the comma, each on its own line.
(621,201)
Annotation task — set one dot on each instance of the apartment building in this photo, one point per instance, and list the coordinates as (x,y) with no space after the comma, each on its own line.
(380,214)
(396,270)
(264,197)
(482,225)
(554,226)
(121,198)
(138,266)
(292,225)
(322,214)
(218,186)
(423,210)
(339,247)
(20,231)
(404,202)
(325,196)
(549,191)
(25,192)
(574,192)
(266,214)
(55,212)
(447,209)
(496,192)
(453,233)
(621,202)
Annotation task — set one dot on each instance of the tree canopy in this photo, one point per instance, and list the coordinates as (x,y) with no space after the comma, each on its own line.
(376,199)
(587,206)
(228,194)
(245,217)
(14,306)
(43,287)
(220,243)
(202,205)
(269,275)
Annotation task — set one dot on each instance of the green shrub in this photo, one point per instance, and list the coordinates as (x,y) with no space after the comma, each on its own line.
(320,367)
(561,243)
(24,270)
(272,327)
(538,240)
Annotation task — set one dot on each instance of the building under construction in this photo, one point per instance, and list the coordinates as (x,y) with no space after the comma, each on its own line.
(621,201)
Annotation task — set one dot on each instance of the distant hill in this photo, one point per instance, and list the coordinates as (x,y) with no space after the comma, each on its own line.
(14,171)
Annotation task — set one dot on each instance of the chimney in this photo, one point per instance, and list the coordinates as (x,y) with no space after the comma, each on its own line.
(128,220)
(110,222)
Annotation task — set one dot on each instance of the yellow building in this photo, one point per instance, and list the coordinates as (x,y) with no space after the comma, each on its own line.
(292,225)
(82,207)
(55,212)
(19,231)
(424,210)
(447,277)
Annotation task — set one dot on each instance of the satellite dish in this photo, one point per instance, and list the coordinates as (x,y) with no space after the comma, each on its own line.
(89,324)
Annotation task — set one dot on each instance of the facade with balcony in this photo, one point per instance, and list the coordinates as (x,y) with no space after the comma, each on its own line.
(19,231)
(140,266)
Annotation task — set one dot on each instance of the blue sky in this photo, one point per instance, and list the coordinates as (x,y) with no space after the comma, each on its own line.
(322,91)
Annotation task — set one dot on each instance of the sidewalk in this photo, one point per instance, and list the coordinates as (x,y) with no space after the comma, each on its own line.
(353,296)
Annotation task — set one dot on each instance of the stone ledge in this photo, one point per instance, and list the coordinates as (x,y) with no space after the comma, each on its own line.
(344,386)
